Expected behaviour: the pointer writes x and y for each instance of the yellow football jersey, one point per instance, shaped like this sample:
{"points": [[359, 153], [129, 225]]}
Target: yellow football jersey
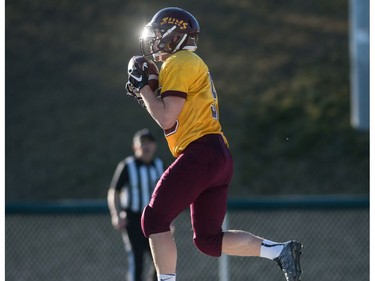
{"points": [[184, 74]]}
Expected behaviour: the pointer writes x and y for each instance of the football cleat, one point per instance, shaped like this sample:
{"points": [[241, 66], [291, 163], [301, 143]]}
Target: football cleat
{"points": [[289, 260]]}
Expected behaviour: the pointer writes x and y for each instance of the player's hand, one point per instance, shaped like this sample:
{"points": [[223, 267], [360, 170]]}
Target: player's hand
{"points": [[137, 74], [137, 78], [134, 93]]}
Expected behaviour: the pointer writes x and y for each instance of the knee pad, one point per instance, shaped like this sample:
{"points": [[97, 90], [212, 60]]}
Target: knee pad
{"points": [[153, 223], [210, 246]]}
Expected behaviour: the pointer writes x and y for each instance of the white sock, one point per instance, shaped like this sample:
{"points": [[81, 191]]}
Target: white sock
{"points": [[270, 249], [166, 277]]}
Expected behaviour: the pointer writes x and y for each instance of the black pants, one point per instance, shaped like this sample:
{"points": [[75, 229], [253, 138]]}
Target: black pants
{"points": [[136, 246]]}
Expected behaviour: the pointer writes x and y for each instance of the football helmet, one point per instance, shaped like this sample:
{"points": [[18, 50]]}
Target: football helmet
{"points": [[170, 30]]}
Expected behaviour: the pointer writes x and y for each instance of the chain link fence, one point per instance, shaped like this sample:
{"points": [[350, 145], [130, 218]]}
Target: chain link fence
{"points": [[75, 241]]}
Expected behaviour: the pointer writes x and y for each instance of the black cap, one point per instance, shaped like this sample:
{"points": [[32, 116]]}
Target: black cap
{"points": [[143, 134]]}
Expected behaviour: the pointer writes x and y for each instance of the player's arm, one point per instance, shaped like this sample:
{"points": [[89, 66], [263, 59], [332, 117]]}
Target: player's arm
{"points": [[164, 111]]}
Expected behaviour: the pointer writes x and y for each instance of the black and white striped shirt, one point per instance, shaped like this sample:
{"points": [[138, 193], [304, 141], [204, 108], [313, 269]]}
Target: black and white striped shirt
{"points": [[136, 181]]}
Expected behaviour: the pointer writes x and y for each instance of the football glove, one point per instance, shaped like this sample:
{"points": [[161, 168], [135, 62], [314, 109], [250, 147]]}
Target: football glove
{"points": [[134, 93], [137, 73]]}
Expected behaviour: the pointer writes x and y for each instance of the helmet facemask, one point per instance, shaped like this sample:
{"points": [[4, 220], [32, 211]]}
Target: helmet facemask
{"points": [[159, 42], [149, 43]]}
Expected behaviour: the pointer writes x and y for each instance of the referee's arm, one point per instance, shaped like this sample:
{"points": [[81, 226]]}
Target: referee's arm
{"points": [[118, 215]]}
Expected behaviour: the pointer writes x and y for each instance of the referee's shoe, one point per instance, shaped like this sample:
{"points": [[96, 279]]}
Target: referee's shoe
{"points": [[289, 260]]}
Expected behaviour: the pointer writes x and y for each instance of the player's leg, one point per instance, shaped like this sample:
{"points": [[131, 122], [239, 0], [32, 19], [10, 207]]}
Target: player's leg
{"points": [[208, 212], [179, 186], [241, 243], [151, 274], [172, 195], [164, 253], [209, 208], [156, 220], [210, 239], [207, 215]]}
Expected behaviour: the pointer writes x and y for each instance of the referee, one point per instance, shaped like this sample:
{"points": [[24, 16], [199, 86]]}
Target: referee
{"points": [[131, 188]]}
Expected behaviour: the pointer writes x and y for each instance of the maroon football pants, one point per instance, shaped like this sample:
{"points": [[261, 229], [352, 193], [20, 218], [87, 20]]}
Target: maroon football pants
{"points": [[198, 178]]}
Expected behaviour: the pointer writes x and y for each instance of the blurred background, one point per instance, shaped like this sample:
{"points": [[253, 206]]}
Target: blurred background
{"points": [[283, 72]]}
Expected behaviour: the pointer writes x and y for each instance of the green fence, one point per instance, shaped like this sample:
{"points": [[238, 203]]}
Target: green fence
{"points": [[74, 240]]}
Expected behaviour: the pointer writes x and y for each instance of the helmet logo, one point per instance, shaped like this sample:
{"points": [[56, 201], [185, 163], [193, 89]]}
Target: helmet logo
{"points": [[180, 23]]}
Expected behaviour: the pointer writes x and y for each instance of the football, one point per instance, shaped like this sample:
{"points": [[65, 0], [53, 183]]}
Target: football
{"points": [[153, 70]]}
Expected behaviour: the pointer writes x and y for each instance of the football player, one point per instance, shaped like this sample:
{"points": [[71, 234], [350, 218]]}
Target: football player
{"points": [[188, 112]]}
